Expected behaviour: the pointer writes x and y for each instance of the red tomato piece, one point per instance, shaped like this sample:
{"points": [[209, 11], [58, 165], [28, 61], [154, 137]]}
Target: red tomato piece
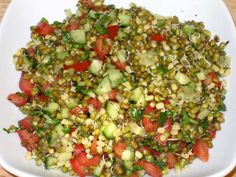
{"points": [[86, 162], [201, 150], [80, 66], [31, 52], [166, 101], [212, 134], [152, 151], [26, 123], [94, 161], [93, 148], [168, 125], [118, 149], [112, 94], [157, 139], [157, 37], [171, 159], [17, 99], [28, 140], [101, 48], [78, 168], [78, 149], [181, 145], [95, 103], [135, 174], [71, 27], [210, 78], [78, 110], [44, 29], [112, 31], [25, 85], [119, 65], [42, 98], [149, 168], [46, 85], [149, 109], [72, 130], [149, 126]]}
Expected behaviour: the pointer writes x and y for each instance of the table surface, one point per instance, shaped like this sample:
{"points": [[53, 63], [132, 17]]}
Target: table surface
{"points": [[231, 4]]}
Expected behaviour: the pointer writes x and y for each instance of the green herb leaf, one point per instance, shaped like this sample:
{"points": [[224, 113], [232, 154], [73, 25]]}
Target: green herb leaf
{"points": [[160, 164], [204, 124], [162, 119], [80, 89], [136, 168], [136, 113], [100, 28], [186, 119], [66, 37], [222, 107], [66, 130], [162, 70], [85, 56]]}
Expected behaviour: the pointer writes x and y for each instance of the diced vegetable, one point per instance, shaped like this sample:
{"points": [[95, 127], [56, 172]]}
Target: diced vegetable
{"points": [[95, 66], [78, 36], [109, 130], [124, 19], [113, 109], [104, 86], [183, 79]]}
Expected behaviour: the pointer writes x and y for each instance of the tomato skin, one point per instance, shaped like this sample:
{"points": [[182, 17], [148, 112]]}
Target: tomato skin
{"points": [[28, 140], [78, 149], [157, 139], [166, 101], [149, 126], [26, 86], [112, 94], [112, 31], [149, 109], [95, 102], [17, 99], [152, 151], [118, 149], [119, 65], [157, 37], [93, 148], [181, 146], [101, 48], [78, 110], [78, 169], [31, 52], [26, 123], [80, 66], [171, 159], [168, 125], [71, 27], [201, 150], [149, 168], [42, 98], [212, 134], [44, 29], [211, 77]]}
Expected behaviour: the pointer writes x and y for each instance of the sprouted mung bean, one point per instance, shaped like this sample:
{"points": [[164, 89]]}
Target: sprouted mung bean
{"points": [[119, 92]]}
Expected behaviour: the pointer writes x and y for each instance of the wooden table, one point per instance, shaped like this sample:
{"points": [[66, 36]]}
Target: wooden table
{"points": [[231, 4]]}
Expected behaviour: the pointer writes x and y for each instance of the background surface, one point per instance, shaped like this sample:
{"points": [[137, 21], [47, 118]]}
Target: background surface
{"points": [[231, 4]]}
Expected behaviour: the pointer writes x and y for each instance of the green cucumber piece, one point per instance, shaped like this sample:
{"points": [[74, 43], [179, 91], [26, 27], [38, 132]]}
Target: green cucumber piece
{"points": [[56, 134], [98, 170], [104, 86], [78, 36], [128, 164], [95, 66], [108, 130], [52, 107], [124, 19], [182, 78], [50, 162], [121, 56], [136, 129], [71, 102], [128, 154], [138, 96], [116, 77], [112, 109]]}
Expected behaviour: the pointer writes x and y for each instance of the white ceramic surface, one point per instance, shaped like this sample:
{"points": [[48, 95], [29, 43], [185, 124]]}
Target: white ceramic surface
{"points": [[15, 32]]}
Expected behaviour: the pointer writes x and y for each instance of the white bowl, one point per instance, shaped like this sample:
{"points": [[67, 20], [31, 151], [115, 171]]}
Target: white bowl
{"points": [[15, 32]]}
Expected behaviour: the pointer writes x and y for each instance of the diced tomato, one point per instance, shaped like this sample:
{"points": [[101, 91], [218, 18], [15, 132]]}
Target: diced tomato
{"points": [[157, 37], [218, 84], [25, 85], [166, 101], [181, 145], [89, 4], [78, 168], [201, 150], [149, 109], [95, 103], [72, 130], [212, 134], [149, 126], [93, 148], [118, 149], [157, 139], [71, 27], [135, 174], [44, 29], [28, 140], [31, 52], [168, 125], [42, 97], [210, 78], [78, 149], [79, 110], [26, 123], [112, 31], [86, 162], [94, 161], [119, 65], [152, 151], [149, 168], [101, 48], [46, 85], [171, 159], [80, 66], [17, 99], [112, 94]]}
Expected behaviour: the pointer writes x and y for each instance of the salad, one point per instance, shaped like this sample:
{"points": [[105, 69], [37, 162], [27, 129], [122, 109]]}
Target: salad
{"points": [[119, 92]]}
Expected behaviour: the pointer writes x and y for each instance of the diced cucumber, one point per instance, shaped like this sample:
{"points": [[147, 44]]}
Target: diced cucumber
{"points": [[121, 56], [71, 102], [188, 29], [27, 63], [138, 96], [116, 77], [52, 107], [56, 134], [50, 162], [78, 36], [136, 129], [64, 113], [128, 154], [64, 156], [124, 19], [93, 14], [109, 66], [95, 66], [113, 109], [98, 170], [149, 58], [121, 35], [201, 76], [104, 86], [182, 78], [113, 15], [128, 164], [108, 130]]}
